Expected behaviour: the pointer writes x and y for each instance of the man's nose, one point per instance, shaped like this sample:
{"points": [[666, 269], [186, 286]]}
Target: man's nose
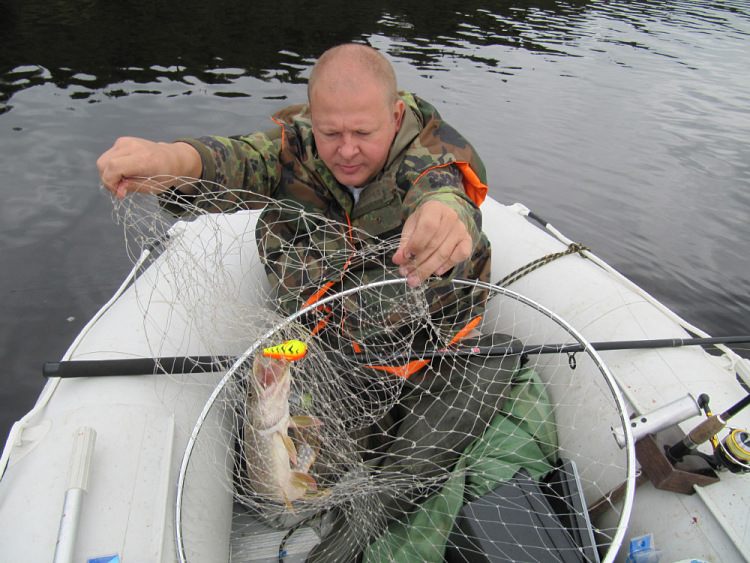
{"points": [[349, 147]]}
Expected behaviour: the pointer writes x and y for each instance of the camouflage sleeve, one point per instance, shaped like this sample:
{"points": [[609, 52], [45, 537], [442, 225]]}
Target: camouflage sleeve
{"points": [[234, 168], [445, 184]]}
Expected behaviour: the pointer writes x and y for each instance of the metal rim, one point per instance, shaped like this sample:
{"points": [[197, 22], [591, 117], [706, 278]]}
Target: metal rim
{"points": [[628, 497]]}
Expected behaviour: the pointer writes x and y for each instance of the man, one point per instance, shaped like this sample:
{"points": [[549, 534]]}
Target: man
{"points": [[385, 163]]}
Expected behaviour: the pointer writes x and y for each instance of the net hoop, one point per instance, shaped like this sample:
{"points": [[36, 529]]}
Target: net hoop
{"points": [[629, 483]]}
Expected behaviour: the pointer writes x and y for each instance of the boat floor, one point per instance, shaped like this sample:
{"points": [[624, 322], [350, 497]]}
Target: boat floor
{"points": [[253, 541]]}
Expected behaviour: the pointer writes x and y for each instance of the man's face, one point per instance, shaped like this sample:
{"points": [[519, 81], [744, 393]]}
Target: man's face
{"points": [[354, 129]]}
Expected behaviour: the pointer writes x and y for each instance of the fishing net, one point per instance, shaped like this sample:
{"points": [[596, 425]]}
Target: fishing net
{"points": [[422, 424]]}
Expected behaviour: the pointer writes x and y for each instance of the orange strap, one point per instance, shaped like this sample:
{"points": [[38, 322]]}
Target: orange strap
{"points": [[404, 371], [473, 186], [283, 130], [414, 366], [464, 332], [322, 323], [315, 297]]}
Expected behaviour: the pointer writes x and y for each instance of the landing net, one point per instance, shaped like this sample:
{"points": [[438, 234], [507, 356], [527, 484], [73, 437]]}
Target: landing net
{"points": [[387, 442]]}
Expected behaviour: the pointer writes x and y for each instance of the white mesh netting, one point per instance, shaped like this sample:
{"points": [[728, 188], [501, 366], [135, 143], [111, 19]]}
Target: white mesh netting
{"points": [[418, 426]]}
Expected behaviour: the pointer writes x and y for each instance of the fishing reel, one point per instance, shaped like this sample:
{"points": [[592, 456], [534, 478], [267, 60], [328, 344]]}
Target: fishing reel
{"points": [[731, 453]]}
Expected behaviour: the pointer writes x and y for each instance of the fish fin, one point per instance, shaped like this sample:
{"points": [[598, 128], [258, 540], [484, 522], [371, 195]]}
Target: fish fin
{"points": [[290, 449], [317, 494], [304, 480], [306, 456], [288, 503], [304, 421]]}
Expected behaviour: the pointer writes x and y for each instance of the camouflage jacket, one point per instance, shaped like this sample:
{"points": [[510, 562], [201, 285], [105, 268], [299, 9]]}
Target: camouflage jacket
{"points": [[428, 160]]}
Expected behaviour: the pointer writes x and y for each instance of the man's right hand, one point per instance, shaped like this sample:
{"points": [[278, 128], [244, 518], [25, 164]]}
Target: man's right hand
{"points": [[133, 165]]}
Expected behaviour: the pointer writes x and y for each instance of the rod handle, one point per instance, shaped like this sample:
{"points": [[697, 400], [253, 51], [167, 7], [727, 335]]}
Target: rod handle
{"points": [[698, 435]]}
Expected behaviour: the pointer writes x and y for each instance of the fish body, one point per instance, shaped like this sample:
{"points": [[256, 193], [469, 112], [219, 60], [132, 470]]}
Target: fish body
{"points": [[275, 470]]}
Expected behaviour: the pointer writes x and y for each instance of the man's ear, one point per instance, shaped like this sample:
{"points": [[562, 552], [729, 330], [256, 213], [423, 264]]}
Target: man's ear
{"points": [[398, 112]]}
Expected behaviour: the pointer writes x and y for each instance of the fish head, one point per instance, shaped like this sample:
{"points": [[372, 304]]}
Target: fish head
{"points": [[270, 373], [268, 398]]}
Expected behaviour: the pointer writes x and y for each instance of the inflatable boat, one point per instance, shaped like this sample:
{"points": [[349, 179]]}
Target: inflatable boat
{"points": [[95, 470]]}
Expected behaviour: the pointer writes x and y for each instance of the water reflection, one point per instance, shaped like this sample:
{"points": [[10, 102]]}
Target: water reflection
{"points": [[94, 46]]}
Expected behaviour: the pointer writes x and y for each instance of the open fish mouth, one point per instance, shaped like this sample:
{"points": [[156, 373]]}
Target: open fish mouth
{"points": [[268, 371]]}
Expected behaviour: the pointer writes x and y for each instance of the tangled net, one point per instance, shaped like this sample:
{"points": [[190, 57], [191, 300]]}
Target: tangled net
{"points": [[421, 423]]}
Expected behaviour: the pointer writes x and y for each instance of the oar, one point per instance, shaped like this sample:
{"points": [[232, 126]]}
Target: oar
{"points": [[199, 364]]}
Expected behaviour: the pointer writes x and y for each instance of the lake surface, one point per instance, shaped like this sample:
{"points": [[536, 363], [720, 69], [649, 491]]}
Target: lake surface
{"points": [[625, 124]]}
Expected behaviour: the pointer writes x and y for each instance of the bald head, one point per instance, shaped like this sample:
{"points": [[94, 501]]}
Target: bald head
{"points": [[355, 112], [345, 67]]}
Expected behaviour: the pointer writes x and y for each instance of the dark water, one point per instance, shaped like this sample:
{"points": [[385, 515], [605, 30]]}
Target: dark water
{"points": [[626, 124]]}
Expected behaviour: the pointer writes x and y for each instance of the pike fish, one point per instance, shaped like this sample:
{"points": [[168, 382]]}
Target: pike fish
{"points": [[276, 468]]}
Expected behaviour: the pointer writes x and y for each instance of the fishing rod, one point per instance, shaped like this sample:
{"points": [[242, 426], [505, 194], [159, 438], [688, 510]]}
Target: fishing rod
{"points": [[203, 364]]}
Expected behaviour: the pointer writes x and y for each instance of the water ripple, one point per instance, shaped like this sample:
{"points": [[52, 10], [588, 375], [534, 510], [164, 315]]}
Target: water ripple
{"points": [[625, 123]]}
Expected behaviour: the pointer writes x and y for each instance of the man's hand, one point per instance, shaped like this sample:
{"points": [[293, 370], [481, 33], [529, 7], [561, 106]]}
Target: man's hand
{"points": [[434, 239], [130, 159]]}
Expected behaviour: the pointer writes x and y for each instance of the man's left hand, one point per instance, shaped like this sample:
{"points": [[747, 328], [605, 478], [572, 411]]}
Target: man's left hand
{"points": [[434, 239]]}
